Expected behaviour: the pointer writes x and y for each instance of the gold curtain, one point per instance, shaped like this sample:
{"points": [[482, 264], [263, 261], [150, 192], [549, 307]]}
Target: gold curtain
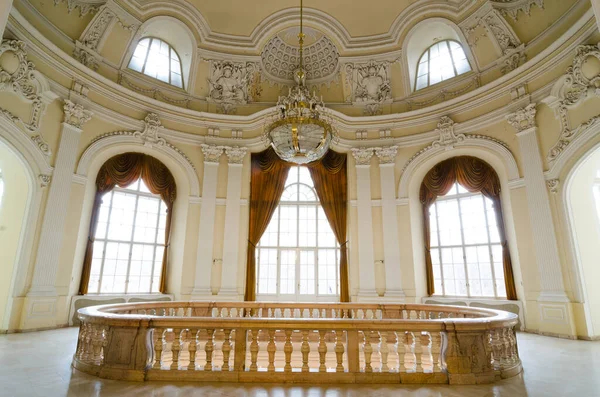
{"points": [[122, 170], [267, 182], [476, 176], [331, 183]]}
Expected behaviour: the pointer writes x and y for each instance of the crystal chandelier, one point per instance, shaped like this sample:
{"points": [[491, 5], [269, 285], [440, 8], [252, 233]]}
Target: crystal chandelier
{"points": [[299, 132]]}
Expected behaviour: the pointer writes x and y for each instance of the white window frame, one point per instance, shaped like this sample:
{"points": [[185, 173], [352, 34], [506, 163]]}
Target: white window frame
{"points": [[130, 241], [297, 296], [464, 246], [171, 51], [427, 51]]}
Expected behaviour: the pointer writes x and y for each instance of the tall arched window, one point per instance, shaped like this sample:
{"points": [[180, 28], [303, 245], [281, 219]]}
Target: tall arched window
{"points": [[441, 61], [466, 250], [129, 241], [298, 255], [155, 58]]}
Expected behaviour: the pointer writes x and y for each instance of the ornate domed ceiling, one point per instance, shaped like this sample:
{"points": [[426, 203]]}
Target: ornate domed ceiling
{"points": [[279, 57]]}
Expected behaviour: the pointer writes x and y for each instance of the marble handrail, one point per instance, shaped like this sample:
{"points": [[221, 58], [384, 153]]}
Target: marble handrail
{"points": [[291, 342]]}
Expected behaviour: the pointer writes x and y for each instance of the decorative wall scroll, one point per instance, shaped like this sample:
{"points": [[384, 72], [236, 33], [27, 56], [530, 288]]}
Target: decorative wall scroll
{"points": [[571, 90], [511, 8], [229, 84], [448, 138], [97, 27], [369, 83], [85, 6], [24, 81], [523, 119], [150, 136], [495, 26]]}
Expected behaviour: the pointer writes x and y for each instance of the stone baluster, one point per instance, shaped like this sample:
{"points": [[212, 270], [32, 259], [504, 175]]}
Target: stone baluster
{"points": [[288, 349], [418, 351], [226, 348], [339, 351], [322, 350], [305, 350], [175, 348], [271, 349], [97, 345], [496, 349], [436, 347], [409, 352], [192, 347], [368, 351], [384, 352], [254, 350], [209, 347], [158, 335], [426, 357]]}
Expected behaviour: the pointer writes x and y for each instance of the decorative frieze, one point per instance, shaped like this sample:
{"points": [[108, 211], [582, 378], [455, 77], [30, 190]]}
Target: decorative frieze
{"points": [[85, 57], [235, 154], [212, 153], [386, 155], [495, 26], [362, 156], [384, 134], [513, 61], [96, 29], [229, 84], [511, 8], [75, 114], [571, 90], [369, 83], [523, 119], [361, 134], [85, 6]]}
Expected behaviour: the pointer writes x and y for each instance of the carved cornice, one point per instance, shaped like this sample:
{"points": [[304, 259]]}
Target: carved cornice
{"points": [[511, 8], [523, 119], [363, 155], [572, 89], [235, 154], [75, 114], [212, 153], [85, 6], [386, 155]]}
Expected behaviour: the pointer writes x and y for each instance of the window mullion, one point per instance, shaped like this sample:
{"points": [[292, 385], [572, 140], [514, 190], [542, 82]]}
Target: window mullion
{"points": [[487, 227], [451, 58], [437, 220], [462, 236], [146, 56], [105, 242], [160, 204], [137, 198]]}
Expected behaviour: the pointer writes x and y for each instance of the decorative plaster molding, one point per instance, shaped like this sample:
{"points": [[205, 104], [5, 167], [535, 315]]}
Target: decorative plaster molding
{"points": [[571, 90], [42, 145], [75, 114], [513, 61], [279, 60], [23, 81], [448, 138], [212, 153], [230, 82], [93, 33], [85, 57], [235, 154], [496, 27], [44, 180], [362, 155], [445, 94], [386, 155], [125, 78], [369, 83], [85, 6], [553, 185], [523, 119], [511, 8]]}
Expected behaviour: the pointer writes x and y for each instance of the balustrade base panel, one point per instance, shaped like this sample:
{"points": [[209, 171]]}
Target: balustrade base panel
{"points": [[112, 373]]}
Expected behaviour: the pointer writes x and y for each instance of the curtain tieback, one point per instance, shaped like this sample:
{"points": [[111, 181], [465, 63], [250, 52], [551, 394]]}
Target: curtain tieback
{"points": [[344, 243], [252, 244]]}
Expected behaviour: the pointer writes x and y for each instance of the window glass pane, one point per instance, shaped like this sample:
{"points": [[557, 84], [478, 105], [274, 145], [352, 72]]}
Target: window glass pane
{"points": [[288, 223], [157, 59], [287, 280], [267, 283], [307, 272], [473, 220], [441, 61], [307, 226]]}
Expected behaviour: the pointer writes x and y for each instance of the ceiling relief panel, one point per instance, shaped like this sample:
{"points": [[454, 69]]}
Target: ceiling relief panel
{"points": [[280, 57]]}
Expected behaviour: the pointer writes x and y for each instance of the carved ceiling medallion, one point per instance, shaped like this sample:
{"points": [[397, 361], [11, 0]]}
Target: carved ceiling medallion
{"points": [[279, 58]]}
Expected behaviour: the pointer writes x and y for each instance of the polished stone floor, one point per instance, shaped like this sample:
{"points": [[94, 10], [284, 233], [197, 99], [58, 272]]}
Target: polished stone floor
{"points": [[38, 364]]}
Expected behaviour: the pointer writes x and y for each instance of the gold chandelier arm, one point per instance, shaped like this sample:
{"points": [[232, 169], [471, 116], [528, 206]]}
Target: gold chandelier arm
{"points": [[301, 43]]}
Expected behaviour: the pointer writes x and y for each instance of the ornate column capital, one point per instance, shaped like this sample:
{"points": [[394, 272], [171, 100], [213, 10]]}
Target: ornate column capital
{"points": [[212, 153], [362, 155], [523, 119], [235, 154], [75, 114], [386, 155]]}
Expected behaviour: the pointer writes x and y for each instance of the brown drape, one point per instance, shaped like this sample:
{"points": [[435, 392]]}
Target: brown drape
{"points": [[476, 176], [267, 182], [331, 183], [123, 170]]}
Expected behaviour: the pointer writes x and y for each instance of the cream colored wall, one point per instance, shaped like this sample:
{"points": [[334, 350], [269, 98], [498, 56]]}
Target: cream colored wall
{"points": [[12, 218]]}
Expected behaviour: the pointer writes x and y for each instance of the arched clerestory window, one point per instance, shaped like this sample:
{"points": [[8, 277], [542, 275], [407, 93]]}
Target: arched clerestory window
{"points": [[298, 255], [442, 61], [157, 59]]}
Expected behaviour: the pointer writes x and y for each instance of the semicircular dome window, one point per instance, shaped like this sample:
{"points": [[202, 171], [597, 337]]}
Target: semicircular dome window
{"points": [[280, 57], [157, 59], [442, 61]]}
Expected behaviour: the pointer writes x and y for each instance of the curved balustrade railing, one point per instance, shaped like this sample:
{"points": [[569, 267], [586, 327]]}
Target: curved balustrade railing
{"points": [[315, 343]]}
